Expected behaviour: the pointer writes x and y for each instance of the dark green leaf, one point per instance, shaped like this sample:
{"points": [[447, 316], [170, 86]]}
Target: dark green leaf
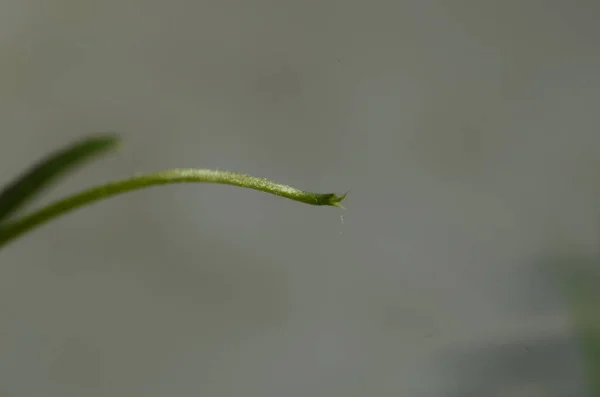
{"points": [[43, 174]]}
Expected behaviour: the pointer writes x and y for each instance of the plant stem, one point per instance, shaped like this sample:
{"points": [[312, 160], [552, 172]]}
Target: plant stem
{"points": [[11, 230]]}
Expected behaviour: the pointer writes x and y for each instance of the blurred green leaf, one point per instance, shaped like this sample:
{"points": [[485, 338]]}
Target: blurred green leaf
{"points": [[47, 171], [577, 278]]}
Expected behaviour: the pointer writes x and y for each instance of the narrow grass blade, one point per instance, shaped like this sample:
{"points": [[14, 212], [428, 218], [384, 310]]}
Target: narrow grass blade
{"points": [[47, 171], [16, 228]]}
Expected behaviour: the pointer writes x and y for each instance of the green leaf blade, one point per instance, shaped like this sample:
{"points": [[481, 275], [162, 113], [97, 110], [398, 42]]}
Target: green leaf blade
{"points": [[43, 174], [12, 230]]}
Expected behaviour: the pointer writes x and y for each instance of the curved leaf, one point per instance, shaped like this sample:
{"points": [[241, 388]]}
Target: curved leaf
{"points": [[14, 229], [47, 171]]}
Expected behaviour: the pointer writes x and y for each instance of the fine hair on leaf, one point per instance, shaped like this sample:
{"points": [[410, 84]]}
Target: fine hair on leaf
{"points": [[45, 172]]}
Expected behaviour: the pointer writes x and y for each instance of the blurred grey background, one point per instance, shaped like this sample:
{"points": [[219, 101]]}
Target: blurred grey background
{"points": [[466, 132]]}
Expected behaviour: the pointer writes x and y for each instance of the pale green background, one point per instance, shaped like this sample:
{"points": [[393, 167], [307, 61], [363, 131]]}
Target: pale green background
{"points": [[466, 132]]}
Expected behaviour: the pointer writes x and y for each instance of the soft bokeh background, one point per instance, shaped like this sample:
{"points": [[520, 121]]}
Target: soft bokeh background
{"points": [[466, 132]]}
